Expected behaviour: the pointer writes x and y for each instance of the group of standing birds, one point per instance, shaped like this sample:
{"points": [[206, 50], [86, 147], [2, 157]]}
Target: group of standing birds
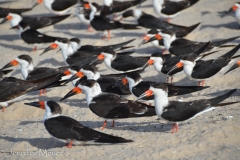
{"points": [[105, 92]]}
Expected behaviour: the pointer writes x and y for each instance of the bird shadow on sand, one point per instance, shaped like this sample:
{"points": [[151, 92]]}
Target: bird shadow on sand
{"points": [[82, 36], [52, 61], [45, 143], [153, 126], [15, 47], [73, 26], [134, 34], [40, 143], [9, 37], [148, 49], [231, 25]]}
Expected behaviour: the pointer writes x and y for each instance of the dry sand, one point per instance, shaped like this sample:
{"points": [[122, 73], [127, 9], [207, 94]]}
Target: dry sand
{"points": [[210, 136]]}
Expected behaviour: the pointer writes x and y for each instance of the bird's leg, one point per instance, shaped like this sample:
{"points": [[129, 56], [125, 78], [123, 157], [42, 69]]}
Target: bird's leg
{"points": [[201, 83], [70, 144], [113, 123], [165, 51], [104, 125], [3, 109], [167, 79], [171, 79], [34, 49], [108, 34], [175, 125], [42, 92], [90, 29]]}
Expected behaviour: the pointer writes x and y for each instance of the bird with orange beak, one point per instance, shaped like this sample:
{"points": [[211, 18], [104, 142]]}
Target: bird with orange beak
{"points": [[177, 112], [29, 72], [69, 130], [202, 70], [109, 105]]}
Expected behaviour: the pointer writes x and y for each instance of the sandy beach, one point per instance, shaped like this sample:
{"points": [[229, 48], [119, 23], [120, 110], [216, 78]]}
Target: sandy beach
{"points": [[213, 135]]}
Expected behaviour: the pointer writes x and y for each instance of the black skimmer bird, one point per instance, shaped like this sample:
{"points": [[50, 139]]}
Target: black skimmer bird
{"points": [[102, 23], [29, 72], [236, 65], [122, 63], [108, 105], [202, 70], [13, 89], [70, 56], [74, 53], [170, 8], [84, 16], [138, 86], [163, 63], [176, 111], [108, 83], [151, 22], [182, 46], [33, 37], [33, 22], [156, 43], [5, 11], [58, 7], [69, 130]]}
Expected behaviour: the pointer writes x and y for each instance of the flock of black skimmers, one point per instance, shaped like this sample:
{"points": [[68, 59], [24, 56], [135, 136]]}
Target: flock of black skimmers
{"points": [[105, 93]]}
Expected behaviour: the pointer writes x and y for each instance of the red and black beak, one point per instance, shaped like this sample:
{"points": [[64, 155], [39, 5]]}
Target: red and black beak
{"points": [[37, 3], [145, 40], [6, 19], [76, 76], [51, 47], [148, 93], [40, 104], [149, 62], [156, 37], [236, 65], [73, 92], [178, 65], [233, 8], [10, 64]]}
